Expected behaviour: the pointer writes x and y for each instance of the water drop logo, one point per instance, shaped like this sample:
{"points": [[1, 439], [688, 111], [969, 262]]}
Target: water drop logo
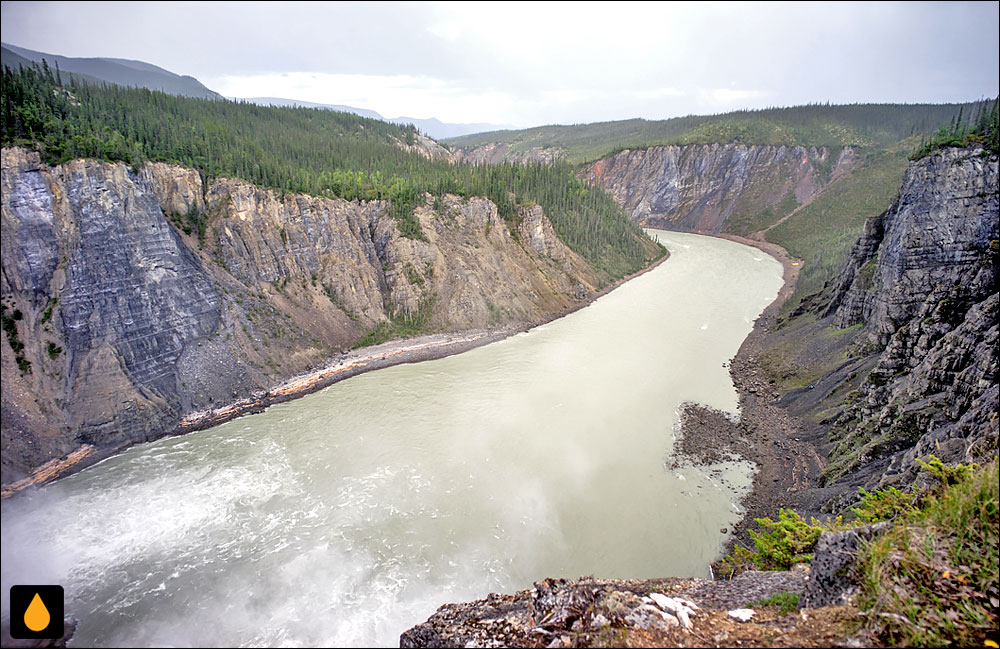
{"points": [[36, 612], [37, 617]]}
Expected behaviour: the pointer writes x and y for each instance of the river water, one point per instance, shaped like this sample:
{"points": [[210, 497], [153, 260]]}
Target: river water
{"points": [[347, 516]]}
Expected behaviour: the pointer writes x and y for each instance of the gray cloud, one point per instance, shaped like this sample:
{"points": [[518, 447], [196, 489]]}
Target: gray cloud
{"points": [[534, 63]]}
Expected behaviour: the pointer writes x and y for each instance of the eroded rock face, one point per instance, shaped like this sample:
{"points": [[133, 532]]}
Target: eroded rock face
{"points": [[110, 298], [711, 187], [131, 316], [264, 238], [922, 280], [494, 153], [931, 246], [178, 190], [428, 148]]}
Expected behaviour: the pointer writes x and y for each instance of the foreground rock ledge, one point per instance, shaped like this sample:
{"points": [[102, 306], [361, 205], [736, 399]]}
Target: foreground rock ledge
{"points": [[596, 612]]}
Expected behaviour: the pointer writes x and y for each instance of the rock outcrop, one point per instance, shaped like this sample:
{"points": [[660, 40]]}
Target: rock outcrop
{"points": [[922, 283], [428, 148], [591, 612], [133, 299], [707, 188], [493, 153]]}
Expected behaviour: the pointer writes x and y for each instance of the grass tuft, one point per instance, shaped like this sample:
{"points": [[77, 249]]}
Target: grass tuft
{"points": [[933, 579]]}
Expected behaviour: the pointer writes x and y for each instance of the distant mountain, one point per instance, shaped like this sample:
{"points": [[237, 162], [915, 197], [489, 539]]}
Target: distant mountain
{"points": [[126, 72], [440, 130], [433, 127], [123, 72]]}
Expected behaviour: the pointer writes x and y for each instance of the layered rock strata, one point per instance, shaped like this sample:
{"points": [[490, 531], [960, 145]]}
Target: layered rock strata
{"points": [[710, 187], [133, 299], [922, 283]]}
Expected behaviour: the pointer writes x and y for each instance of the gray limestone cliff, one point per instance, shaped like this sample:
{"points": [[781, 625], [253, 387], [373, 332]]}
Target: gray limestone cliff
{"points": [[707, 188], [494, 153], [922, 284], [132, 299]]}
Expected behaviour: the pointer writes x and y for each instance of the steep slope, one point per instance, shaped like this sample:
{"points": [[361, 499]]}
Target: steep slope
{"points": [[132, 299], [124, 72], [804, 177], [922, 282], [896, 358], [315, 152], [705, 188]]}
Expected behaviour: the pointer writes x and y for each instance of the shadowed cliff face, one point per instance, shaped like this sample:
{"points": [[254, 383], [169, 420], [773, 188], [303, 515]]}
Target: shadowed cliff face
{"points": [[141, 297], [711, 187], [922, 280], [100, 276]]}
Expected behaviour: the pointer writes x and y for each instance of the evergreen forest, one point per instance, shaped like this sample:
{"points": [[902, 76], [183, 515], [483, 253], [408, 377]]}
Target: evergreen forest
{"points": [[868, 126], [302, 150]]}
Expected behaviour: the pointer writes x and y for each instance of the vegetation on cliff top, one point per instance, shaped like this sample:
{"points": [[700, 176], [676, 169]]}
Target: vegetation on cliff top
{"points": [[932, 578], [860, 125], [310, 151], [822, 232], [981, 124]]}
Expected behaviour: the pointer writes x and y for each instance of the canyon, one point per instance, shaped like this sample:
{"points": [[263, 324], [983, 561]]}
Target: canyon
{"points": [[145, 297], [894, 360]]}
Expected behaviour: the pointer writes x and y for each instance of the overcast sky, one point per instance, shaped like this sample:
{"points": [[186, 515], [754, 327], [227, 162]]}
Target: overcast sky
{"points": [[533, 63]]}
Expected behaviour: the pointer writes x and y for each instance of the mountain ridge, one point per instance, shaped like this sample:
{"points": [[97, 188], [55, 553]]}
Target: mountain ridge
{"points": [[431, 126], [124, 72]]}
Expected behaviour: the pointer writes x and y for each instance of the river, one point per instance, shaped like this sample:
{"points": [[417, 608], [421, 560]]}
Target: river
{"points": [[347, 516]]}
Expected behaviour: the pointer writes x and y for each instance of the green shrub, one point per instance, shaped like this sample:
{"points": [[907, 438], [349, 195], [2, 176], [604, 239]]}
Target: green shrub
{"points": [[53, 349], [787, 541], [883, 505]]}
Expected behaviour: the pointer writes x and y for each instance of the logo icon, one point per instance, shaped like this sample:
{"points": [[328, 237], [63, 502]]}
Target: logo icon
{"points": [[36, 612]]}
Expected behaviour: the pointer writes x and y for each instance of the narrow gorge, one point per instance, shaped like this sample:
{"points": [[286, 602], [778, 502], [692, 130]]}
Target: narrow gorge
{"points": [[143, 299]]}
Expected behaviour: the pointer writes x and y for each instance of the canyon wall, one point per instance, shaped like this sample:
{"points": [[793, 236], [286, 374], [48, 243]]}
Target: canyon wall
{"points": [[922, 284], [708, 188], [131, 299]]}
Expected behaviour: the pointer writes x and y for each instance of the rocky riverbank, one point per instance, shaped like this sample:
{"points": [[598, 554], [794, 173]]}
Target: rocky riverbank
{"points": [[788, 463]]}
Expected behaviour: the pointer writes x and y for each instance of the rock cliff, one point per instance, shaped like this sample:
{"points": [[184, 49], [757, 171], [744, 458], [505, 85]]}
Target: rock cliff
{"points": [[922, 283], [132, 299], [707, 188], [494, 153], [917, 305]]}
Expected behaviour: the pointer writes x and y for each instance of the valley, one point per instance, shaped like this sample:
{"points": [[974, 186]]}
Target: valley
{"points": [[619, 349]]}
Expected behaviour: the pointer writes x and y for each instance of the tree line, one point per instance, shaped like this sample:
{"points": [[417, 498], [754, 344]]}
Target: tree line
{"points": [[981, 124], [302, 150]]}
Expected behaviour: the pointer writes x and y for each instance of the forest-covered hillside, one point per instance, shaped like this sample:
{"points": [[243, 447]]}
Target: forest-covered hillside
{"points": [[860, 125], [317, 152], [124, 72]]}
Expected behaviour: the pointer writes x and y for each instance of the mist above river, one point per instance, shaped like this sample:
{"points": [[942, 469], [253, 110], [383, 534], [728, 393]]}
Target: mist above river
{"points": [[349, 515]]}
